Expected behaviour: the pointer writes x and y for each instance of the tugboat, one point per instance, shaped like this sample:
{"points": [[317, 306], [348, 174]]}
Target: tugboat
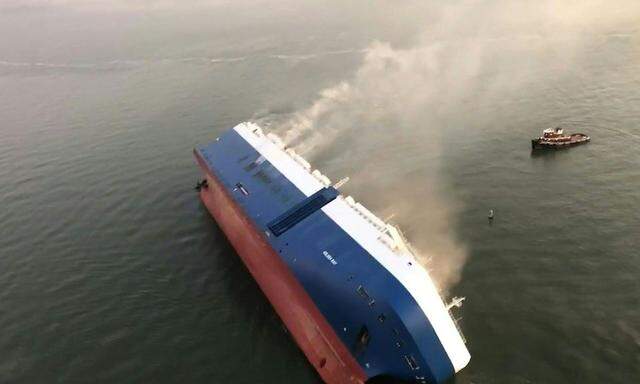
{"points": [[554, 138]]}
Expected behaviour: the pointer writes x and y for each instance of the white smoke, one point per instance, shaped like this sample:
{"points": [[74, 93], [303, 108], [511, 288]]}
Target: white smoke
{"points": [[390, 118]]}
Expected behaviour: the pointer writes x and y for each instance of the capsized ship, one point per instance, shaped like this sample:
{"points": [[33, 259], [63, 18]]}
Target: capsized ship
{"points": [[344, 282]]}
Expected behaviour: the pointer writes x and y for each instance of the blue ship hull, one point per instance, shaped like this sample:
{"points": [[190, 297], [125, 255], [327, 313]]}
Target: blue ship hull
{"points": [[336, 261]]}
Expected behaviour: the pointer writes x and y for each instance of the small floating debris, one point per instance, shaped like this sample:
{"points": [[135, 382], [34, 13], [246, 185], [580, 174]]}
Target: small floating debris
{"points": [[554, 138]]}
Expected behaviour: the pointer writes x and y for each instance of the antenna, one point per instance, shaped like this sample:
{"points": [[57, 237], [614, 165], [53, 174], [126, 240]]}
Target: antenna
{"points": [[340, 183], [455, 302]]}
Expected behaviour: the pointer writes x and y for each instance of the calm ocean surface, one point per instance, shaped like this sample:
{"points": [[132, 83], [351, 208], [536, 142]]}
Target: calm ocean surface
{"points": [[111, 270]]}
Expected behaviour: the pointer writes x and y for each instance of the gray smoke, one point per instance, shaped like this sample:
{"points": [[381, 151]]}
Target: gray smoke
{"points": [[385, 126]]}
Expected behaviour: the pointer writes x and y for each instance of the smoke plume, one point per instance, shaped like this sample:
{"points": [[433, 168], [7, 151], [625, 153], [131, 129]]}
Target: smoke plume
{"points": [[387, 125]]}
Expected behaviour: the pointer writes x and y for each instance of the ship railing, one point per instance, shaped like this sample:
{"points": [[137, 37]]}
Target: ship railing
{"points": [[298, 159], [374, 220], [399, 241], [321, 178], [390, 235]]}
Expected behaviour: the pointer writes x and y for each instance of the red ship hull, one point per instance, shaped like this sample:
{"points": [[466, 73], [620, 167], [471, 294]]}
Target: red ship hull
{"points": [[311, 331]]}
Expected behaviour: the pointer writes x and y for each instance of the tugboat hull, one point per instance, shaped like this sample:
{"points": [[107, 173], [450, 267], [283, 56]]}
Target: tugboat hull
{"points": [[575, 139]]}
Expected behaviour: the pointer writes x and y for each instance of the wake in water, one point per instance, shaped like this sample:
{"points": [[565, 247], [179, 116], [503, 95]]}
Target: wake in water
{"points": [[103, 66], [127, 64]]}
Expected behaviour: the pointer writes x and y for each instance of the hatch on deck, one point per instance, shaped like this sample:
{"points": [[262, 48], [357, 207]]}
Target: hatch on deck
{"points": [[300, 211]]}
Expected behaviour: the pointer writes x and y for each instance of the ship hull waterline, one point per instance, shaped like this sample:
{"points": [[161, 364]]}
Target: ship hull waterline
{"points": [[311, 331], [577, 139]]}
